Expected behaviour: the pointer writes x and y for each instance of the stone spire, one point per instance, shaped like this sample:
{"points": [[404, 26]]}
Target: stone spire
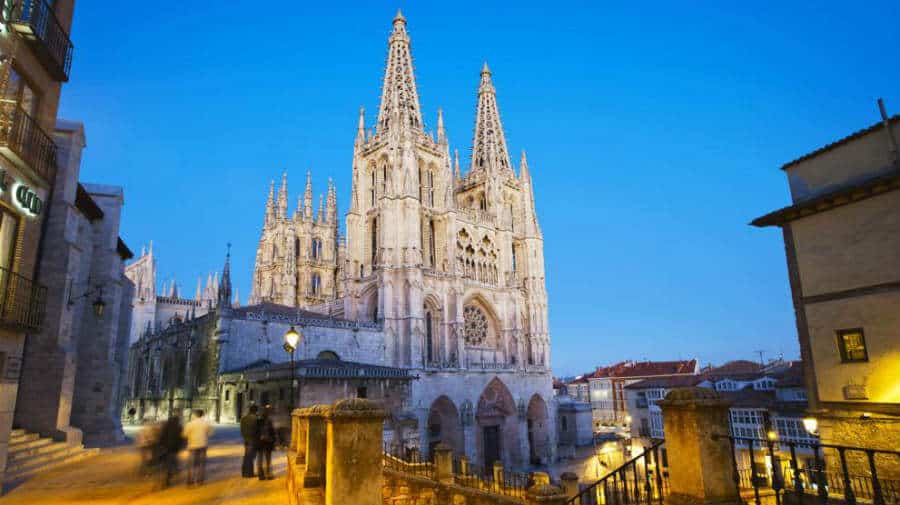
{"points": [[308, 197], [224, 293], [361, 128], [283, 196], [270, 203], [236, 301], [398, 90], [531, 223], [320, 215], [198, 295], [456, 170], [489, 146], [331, 203], [441, 133]]}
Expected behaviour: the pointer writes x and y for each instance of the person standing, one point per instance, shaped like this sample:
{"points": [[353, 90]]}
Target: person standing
{"points": [[266, 445], [250, 434], [197, 433], [170, 443]]}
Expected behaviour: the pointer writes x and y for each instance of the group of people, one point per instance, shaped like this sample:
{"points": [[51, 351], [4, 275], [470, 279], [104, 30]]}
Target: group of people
{"points": [[161, 443], [260, 437]]}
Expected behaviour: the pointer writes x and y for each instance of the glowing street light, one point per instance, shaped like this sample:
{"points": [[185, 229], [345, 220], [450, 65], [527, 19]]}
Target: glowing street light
{"points": [[811, 425], [292, 340]]}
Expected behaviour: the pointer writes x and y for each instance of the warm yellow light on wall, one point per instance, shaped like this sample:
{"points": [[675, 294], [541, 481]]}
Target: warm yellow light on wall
{"points": [[811, 424]]}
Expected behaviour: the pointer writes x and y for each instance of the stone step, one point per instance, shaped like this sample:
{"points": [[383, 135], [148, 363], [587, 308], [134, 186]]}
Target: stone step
{"points": [[22, 439], [22, 473], [32, 444], [40, 460], [48, 446], [18, 432]]}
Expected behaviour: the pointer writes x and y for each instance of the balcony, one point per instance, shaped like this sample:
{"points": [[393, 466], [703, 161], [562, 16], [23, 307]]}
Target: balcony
{"points": [[36, 21], [25, 143], [22, 302]]}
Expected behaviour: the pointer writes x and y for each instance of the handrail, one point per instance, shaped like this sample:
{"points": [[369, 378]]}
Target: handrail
{"points": [[619, 487], [22, 134], [22, 301], [788, 476]]}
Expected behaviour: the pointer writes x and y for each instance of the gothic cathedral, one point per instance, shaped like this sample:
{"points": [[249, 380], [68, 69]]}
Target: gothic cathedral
{"points": [[449, 264]]}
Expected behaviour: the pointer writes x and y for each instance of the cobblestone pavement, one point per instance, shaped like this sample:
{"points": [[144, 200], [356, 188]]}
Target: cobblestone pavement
{"points": [[111, 478]]}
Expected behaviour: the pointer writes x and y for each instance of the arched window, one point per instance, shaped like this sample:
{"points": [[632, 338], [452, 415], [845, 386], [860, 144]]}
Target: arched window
{"points": [[372, 190], [514, 258], [274, 252], [431, 253], [296, 247], [431, 188], [328, 355], [429, 339], [483, 203], [316, 284], [384, 180], [316, 249], [374, 239]]}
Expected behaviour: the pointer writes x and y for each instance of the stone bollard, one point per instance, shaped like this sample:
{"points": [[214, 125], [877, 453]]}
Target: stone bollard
{"points": [[569, 484], [544, 493], [464, 465], [498, 475], [353, 472], [700, 460], [443, 463], [313, 418]]}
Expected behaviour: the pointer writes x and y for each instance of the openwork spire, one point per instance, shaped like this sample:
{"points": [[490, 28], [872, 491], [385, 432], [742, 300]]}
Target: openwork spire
{"points": [[399, 88], [224, 292], [489, 147]]}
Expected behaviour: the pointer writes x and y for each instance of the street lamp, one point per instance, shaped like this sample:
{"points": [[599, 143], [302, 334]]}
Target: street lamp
{"points": [[292, 339], [811, 424], [98, 304]]}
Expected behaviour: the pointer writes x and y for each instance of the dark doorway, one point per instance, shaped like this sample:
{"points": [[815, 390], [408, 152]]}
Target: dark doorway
{"points": [[264, 398], [238, 406], [491, 446]]}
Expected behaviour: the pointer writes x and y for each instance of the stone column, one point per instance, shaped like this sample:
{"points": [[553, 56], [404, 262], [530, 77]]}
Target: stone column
{"points": [[544, 493], [315, 438], [353, 463], [443, 463], [569, 483], [700, 460]]}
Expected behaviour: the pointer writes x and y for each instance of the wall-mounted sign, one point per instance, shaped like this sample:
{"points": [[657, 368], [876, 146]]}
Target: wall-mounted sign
{"points": [[28, 200], [4, 182]]}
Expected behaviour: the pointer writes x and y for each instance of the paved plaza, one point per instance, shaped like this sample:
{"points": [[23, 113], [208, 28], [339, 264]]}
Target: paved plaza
{"points": [[111, 478]]}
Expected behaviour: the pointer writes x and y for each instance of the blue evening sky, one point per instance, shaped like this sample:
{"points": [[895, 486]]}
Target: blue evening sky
{"points": [[654, 132]]}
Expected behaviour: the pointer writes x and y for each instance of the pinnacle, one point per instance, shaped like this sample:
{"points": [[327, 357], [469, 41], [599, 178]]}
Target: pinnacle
{"points": [[399, 17], [485, 70]]}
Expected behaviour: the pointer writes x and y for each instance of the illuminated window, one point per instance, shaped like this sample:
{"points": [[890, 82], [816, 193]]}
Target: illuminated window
{"points": [[852, 345], [18, 90], [9, 226]]}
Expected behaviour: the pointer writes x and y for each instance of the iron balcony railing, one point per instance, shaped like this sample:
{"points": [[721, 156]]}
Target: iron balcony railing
{"points": [[643, 479], [36, 21], [836, 473], [23, 138], [22, 301]]}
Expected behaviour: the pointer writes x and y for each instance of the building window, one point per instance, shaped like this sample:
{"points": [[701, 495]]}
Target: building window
{"points": [[565, 424], [316, 248], [852, 345], [9, 227], [227, 395], [362, 392], [429, 344], [19, 91], [316, 284]]}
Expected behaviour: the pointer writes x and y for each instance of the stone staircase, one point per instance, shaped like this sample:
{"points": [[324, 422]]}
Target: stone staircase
{"points": [[30, 454]]}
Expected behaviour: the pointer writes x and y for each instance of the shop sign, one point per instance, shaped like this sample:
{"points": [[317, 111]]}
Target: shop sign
{"points": [[28, 200]]}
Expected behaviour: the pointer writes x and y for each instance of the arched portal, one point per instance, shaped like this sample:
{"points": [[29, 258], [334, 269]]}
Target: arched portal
{"points": [[538, 430], [496, 437], [444, 426]]}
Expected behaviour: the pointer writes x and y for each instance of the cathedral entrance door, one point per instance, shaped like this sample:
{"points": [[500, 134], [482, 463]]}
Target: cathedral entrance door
{"points": [[491, 446], [238, 406]]}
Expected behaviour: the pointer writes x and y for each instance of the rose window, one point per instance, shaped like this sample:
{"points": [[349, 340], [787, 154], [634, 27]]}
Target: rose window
{"points": [[476, 325]]}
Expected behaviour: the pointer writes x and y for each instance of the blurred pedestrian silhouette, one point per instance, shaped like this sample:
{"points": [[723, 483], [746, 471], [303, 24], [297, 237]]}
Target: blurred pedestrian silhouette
{"points": [[170, 443], [197, 433], [250, 434], [266, 434], [147, 441]]}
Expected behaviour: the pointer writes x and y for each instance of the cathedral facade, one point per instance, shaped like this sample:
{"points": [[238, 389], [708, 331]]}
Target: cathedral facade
{"points": [[441, 276]]}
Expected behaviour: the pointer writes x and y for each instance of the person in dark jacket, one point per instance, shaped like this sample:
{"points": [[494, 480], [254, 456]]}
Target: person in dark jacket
{"points": [[266, 445], [170, 443], [250, 434]]}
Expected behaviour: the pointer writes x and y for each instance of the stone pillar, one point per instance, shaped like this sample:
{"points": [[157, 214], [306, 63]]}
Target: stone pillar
{"points": [[464, 465], [353, 463], [498, 474], [700, 460], [569, 483], [544, 493], [443, 463], [314, 454]]}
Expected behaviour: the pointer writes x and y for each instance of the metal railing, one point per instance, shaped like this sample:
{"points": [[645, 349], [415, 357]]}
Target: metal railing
{"points": [[642, 479], [25, 138], [22, 301], [489, 480], [408, 461], [36, 20], [836, 472]]}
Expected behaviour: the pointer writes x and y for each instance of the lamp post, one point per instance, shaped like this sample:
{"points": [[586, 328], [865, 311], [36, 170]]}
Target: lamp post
{"points": [[292, 339]]}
